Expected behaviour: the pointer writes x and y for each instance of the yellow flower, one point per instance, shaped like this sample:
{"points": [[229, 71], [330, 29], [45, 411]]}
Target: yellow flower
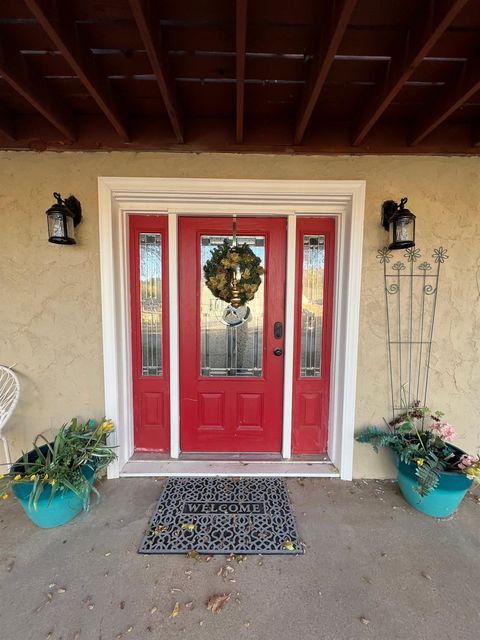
{"points": [[52, 482], [5, 496], [1, 476], [420, 461], [18, 477], [33, 476], [45, 477], [107, 425]]}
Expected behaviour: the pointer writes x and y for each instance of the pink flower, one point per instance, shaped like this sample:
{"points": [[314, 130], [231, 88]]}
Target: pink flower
{"points": [[467, 461], [445, 430]]}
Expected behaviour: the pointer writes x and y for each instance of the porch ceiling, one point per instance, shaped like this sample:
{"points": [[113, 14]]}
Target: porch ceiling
{"points": [[310, 76]]}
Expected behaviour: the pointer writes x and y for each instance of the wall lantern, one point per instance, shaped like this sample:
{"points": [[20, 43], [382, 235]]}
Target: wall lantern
{"points": [[63, 217], [401, 222]]}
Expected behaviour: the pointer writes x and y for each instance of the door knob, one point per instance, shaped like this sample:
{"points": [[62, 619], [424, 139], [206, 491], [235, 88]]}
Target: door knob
{"points": [[277, 352]]}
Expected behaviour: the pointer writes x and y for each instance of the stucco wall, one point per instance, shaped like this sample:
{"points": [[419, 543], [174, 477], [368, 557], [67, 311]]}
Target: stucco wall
{"points": [[50, 317]]}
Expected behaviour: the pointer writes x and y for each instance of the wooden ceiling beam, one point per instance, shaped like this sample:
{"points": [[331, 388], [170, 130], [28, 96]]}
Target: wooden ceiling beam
{"points": [[433, 21], [18, 74], [454, 98], [149, 38], [339, 20], [217, 135], [7, 126], [241, 47], [63, 35]]}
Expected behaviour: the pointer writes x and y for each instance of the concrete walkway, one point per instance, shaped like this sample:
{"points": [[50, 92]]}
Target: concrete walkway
{"points": [[373, 569]]}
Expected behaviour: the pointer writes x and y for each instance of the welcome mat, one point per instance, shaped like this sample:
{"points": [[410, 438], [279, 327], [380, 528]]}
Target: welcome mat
{"points": [[223, 516]]}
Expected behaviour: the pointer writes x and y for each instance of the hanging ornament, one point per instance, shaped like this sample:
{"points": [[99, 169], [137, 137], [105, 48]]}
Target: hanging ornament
{"points": [[233, 317], [233, 272]]}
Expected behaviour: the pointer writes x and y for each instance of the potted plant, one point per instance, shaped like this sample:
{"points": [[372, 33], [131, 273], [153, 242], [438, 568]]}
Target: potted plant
{"points": [[53, 481], [433, 474]]}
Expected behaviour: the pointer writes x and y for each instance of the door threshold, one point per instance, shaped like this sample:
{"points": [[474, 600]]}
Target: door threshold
{"points": [[221, 456], [144, 467]]}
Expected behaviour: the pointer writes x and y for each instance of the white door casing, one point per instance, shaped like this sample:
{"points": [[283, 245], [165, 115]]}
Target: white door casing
{"points": [[342, 199]]}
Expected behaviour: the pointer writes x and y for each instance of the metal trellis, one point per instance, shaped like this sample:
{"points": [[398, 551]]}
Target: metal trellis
{"points": [[411, 289]]}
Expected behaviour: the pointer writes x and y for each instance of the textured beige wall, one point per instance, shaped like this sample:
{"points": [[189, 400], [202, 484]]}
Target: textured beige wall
{"points": [[50, 317]]}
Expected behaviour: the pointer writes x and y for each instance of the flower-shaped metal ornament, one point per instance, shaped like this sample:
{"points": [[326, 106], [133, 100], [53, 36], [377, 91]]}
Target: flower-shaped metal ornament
{"points": [[425, 266], [412, 254], [440, 255], [384, 255]]}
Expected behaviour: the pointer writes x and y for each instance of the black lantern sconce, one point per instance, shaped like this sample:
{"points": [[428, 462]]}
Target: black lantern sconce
{"points": [[62, 219], [401, 222]]}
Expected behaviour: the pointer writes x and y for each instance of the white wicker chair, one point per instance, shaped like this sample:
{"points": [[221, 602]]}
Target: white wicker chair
{"points": [[9, 393]]}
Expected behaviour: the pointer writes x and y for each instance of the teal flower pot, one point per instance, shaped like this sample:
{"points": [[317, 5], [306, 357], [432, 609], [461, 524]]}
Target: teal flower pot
{"points": [[442, 501], [64, 506]]}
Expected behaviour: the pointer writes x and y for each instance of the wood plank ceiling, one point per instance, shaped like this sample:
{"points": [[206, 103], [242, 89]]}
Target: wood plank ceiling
{"points": [[309, 76]]}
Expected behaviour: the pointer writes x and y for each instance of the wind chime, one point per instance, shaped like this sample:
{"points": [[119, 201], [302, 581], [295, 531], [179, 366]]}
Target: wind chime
{"points": [[235, 300], [233, 274]]}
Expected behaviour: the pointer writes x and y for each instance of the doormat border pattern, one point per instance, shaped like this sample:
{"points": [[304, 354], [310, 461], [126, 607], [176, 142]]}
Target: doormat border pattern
{"points": [[223, 515]]}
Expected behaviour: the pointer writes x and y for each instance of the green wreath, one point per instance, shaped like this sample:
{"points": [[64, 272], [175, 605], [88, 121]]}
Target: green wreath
{"points": [[220, 269]]}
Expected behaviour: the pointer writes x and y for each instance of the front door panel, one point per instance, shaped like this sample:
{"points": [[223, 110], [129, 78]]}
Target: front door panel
{"points": [[231, 376]]}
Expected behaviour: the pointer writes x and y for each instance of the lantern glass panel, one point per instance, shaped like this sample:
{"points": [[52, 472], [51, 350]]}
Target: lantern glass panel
{"points": [[55, 225], [70, 229], [404, 228]]}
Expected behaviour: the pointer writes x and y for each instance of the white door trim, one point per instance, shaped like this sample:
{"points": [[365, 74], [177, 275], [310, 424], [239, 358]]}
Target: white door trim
{"points": [[343, 199]]}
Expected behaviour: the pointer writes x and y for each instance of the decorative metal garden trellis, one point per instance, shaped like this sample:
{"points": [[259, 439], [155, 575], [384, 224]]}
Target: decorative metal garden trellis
{"points": [[411, 290]]}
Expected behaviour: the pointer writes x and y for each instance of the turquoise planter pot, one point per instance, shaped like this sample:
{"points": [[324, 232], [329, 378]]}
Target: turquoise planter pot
{"points": [[64, 506], [443, 500]]}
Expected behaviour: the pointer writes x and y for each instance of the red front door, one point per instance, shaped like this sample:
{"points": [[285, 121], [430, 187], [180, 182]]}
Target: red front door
{"points": [[231, 375]]}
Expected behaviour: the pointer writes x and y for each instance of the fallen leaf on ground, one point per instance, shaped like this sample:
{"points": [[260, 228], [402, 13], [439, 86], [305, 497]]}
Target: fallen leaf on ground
{"points": [[189, 526], [189, 605], [61, 590], [160, 528], [301, 482], [217, 602], [175, 610], [288, 545], [364, 620], [246, 623], [238, 558], [426, 576], [195, 555], [224, 571], [153, 609]]}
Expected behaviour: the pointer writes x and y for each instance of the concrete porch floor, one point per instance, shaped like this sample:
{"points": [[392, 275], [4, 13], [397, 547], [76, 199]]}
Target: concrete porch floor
{"points": [[373, 569]]}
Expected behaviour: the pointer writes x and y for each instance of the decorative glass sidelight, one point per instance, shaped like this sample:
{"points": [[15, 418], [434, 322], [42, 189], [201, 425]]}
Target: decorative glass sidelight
{"points": [[230, 346], [312, 305], [151, 303]]}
